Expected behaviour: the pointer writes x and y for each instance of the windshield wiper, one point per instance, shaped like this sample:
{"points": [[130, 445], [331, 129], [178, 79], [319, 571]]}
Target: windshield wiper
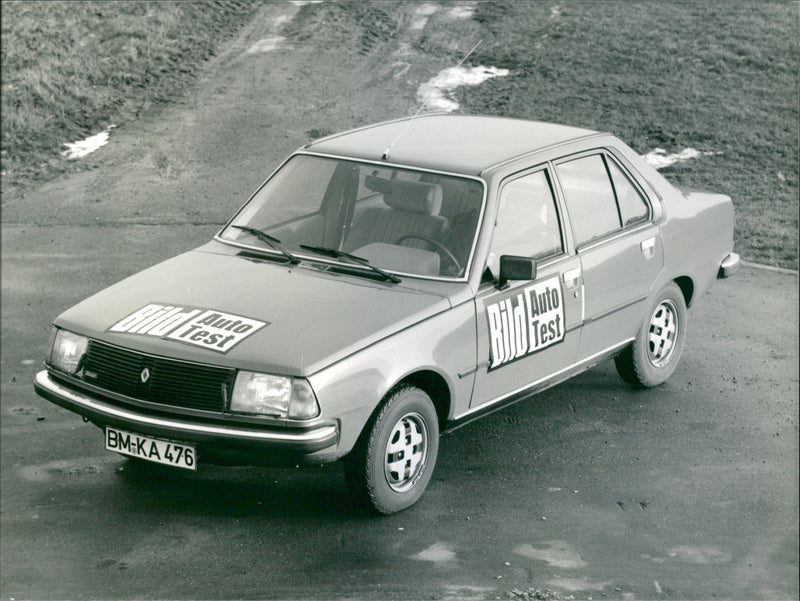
{"points": [[340, 254], [271, 241]]}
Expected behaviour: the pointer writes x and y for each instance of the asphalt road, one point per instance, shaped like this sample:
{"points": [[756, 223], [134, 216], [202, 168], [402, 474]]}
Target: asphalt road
{"points": [[591, 489]]}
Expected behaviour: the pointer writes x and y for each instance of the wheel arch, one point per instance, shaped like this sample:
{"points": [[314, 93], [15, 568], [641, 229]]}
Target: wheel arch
{"points": [[686, 284], [435, 386], [394, 458]]}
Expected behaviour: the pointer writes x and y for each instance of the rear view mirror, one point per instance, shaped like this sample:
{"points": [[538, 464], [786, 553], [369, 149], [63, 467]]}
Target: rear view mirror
{"points": [[515, 268]]}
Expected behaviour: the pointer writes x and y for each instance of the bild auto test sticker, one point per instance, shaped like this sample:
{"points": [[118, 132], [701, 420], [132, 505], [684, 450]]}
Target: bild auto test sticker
{"points": [[206, 328], [525, 322]]}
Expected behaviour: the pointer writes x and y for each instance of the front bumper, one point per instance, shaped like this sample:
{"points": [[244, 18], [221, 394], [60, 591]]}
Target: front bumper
{"points": [[729, 265], [219, 443]]}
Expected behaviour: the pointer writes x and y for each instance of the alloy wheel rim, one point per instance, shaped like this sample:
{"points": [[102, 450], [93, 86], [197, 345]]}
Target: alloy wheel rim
{"points": [[406, 451], [663, 333]]}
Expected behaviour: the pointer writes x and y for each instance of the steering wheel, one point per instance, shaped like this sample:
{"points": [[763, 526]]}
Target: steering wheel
{"points": [[436, 244]]}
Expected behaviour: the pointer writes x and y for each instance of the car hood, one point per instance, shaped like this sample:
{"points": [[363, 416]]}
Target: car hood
{"points": [[257, 314]]}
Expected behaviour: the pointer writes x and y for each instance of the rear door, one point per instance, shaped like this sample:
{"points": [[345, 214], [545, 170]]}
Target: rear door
{"points": [[618, 244]]}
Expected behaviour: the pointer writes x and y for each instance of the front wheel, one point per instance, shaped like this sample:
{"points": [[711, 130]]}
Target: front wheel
{"points": [[653, 355], [392, 463]]}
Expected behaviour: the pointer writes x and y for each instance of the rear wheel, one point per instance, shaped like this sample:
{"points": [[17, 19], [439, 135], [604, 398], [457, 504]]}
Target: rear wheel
{"points": [[656, 350], [392, 463]]}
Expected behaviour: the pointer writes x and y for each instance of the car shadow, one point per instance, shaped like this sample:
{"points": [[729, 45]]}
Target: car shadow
{"points": [[238, 491]]}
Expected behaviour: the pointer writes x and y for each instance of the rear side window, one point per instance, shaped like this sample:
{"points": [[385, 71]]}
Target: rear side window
{"points": [[590, 198], [600, 198], [632, 206]]}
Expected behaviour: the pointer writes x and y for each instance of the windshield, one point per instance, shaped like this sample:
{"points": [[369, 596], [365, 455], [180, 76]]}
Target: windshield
{"points": [[400, 220]]}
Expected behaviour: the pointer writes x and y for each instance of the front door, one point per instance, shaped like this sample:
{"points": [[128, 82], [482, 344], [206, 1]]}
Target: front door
{"points": [[528, 331]]}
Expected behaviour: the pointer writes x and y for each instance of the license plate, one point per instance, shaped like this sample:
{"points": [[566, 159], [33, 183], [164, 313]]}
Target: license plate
{"points": [[151, 449]]}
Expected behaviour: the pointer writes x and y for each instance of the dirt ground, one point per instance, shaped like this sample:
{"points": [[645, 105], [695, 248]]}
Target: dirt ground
{"points": [[199, 161]]}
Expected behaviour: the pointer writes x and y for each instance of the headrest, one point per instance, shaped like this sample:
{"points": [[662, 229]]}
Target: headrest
{"points": [[414, 196]]}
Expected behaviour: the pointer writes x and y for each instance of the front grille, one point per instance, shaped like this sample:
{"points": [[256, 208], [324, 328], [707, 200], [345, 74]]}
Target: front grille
{"points": [[167, 381]]}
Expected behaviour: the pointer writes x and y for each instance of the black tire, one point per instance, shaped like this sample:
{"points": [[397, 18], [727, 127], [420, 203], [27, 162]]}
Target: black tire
{"points": [[392, 463], [654, 354]]}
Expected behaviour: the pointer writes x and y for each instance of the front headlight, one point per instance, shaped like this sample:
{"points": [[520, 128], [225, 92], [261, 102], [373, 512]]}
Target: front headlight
{"points": [[276, 396], [68, 351]]}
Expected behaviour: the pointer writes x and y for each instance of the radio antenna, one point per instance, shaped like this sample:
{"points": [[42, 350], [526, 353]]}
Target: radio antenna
{"points": [[386, 152]]}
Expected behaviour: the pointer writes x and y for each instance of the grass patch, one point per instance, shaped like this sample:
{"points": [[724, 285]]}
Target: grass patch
{"points": [[71, 69], [720, 77]]}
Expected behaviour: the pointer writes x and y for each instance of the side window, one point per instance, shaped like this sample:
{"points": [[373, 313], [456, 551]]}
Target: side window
{"points": [[527, 222], [589, 197], [632, 206]]}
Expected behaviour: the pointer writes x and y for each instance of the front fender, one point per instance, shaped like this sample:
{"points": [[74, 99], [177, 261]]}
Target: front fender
{"points": [[352, 389]]}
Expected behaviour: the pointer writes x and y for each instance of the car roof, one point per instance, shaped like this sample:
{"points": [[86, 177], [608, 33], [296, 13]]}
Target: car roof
{"points": [[468, 144]]}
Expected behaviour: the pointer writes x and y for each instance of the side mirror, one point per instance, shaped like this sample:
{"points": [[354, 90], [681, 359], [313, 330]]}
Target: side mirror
{"points": [[515, 268]]}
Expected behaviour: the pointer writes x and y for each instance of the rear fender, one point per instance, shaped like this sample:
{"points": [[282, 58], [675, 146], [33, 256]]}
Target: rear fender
{"points": [[697, 235]]}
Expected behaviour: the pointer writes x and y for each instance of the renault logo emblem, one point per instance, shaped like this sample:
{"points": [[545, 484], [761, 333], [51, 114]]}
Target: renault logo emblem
{"points": [[145, 375]]}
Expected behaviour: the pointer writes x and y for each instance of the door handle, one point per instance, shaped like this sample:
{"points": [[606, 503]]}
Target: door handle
{"points": [[571, 278], [648, 248]]}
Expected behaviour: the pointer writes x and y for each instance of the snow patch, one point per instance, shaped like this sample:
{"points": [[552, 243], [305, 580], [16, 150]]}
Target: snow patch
{"points": [[437, 553], [466, 591], [266, 45], [658, 158], [434, 92], [81, 148], [706, 555], [421, 16], [577, 584], [558, 554], [462, 12]]}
